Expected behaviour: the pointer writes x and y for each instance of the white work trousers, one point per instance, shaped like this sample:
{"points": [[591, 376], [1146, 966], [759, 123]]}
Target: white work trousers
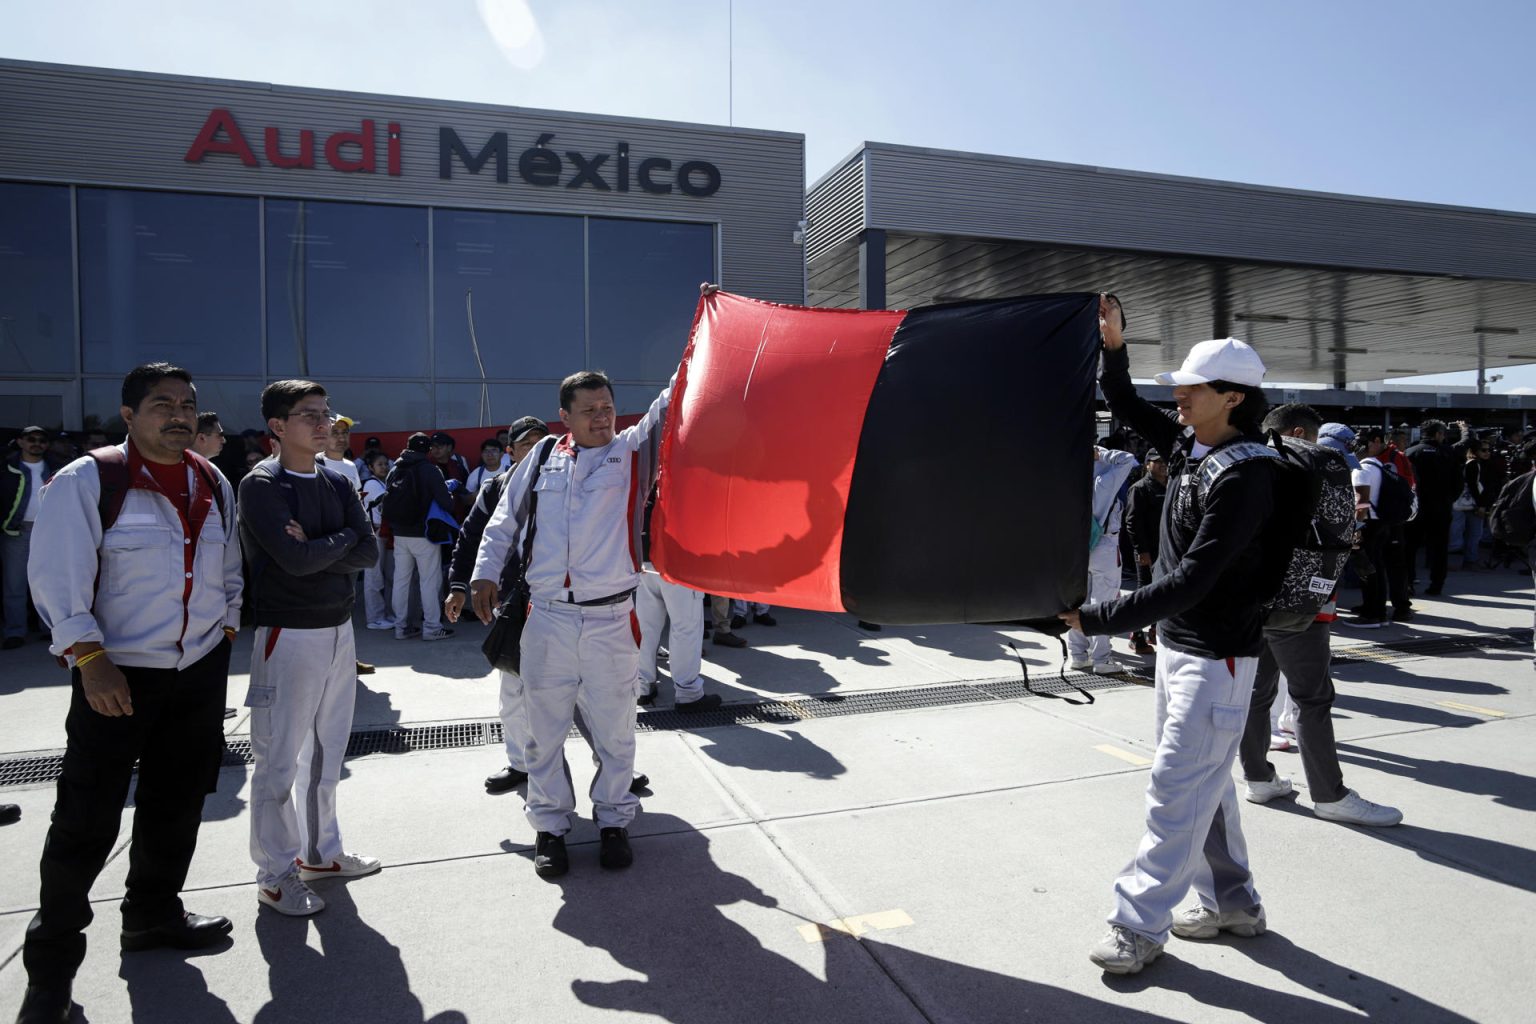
{"points": [[303, 689], [376, 582], [419, 558], [656, 602], [587, 658], [1103, 585], [1193, 837], [514, 721]]}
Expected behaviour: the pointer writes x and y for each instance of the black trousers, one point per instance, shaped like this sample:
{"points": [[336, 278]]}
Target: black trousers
{"points": [[1383, 545], [176, 734], [1434, 536], [1303, 655]]}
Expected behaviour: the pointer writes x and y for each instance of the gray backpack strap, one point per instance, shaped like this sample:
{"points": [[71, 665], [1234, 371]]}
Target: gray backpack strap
{"points": [[1222, 459]]}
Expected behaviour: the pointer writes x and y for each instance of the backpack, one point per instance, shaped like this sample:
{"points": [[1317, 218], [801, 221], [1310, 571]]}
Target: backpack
{"points": [[1395, 501], [112, 469], [1315, 492], [1512, 520], [401, 502], [1287, 521]]}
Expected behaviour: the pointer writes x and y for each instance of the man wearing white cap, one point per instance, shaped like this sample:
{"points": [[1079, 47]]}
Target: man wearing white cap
{"points": [[1210, 631]]}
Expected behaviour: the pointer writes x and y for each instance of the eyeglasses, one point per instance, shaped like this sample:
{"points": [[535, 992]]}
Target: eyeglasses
{"points": [[314, 419]]}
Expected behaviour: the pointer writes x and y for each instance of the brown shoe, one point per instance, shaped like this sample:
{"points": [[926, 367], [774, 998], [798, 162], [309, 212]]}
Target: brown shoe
{"points": [[364, 669]]}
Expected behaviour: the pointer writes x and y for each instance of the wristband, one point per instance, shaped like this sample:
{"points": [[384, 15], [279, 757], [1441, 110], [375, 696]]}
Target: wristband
{"points": [[87, 659]]}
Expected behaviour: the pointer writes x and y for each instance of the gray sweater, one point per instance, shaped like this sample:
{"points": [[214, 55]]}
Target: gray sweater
{"points": [[302, 584]]}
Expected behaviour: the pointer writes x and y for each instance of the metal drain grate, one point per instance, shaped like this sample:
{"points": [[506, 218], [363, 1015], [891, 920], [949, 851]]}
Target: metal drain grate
{"points": [[44, 767]]}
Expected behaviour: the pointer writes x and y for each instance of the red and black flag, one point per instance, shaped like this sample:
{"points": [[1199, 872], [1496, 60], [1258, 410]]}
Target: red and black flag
{"points": [[909, 467]]}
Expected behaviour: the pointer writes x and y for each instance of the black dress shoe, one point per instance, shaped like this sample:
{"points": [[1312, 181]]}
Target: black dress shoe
{"points": [[765, 620], [616, 854], [9, 814], [189, 931], [1434, 591], [737, 621], [647, 698], [869, 627], [45, 1004], [549, 858], [11, 643], [708, 702], [507, 778], [639, 783]]}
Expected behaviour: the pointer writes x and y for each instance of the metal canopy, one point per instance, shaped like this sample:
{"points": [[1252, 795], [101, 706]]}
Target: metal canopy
{"points": [[1354, 290]]}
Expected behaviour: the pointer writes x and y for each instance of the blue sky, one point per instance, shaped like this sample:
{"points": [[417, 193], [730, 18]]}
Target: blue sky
{"points": [[1407, 100]]}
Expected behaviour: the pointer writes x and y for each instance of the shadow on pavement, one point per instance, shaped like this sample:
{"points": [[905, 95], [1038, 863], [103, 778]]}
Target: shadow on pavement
{"points": [[1363, 994], [700, 966], [165, 985], [357, 975], [1397, 711], [771, 750], [1508, 788]]}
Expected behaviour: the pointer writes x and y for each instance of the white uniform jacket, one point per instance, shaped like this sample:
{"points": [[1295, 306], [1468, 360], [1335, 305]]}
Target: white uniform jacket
{"points": [[590, 515], [124, 590]]}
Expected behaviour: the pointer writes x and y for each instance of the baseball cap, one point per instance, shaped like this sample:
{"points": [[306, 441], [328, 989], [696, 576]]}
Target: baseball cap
{"points": [[521, 428], [34, 430], [418, 442], [439, 437], [1339, 438], [1219, 359], [346, 421], [374, 442], [1153, 455]]}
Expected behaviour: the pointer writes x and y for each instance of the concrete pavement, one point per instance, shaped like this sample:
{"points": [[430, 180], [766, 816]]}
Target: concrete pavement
{"points": [[943, 863]]}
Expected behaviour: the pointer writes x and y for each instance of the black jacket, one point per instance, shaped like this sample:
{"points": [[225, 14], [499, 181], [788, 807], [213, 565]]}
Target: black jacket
{"points": [[1202, 593], [462, 569], [302, 584], [1144, 514], [15, 483], [1439, 478], [430, 487]]}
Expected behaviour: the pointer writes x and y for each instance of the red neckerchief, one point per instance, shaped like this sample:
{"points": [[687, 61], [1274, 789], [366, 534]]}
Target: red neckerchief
{"points": [[200, 502]]}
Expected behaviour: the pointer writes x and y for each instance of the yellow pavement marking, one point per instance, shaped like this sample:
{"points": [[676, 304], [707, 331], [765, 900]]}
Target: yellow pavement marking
{"points": [[1124, 755], [1457, 705], [878, 922]]}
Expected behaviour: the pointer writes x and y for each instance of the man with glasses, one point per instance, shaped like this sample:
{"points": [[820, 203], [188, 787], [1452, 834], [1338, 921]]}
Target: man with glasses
{"points": [[209, 439], [305, 537], [21, 486]]}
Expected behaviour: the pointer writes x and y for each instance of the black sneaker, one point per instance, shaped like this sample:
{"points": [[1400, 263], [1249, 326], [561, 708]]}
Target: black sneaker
{"points": [[1366, 622], [708, 702], [647, 698], [1402, 615], [737, 621], [869, 627], [549, 858], [51, 1003], [730, 640], [616, 854], [640, 783], [765, 620]]}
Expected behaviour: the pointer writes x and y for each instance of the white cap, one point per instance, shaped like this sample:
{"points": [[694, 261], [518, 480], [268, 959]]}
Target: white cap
{"points": [[1221, 359]]}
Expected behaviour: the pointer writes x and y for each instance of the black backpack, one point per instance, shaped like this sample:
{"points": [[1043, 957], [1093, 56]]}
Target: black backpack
{"points": [[401, 503], [1395, 502], [1512, 520], [1314, 521]]}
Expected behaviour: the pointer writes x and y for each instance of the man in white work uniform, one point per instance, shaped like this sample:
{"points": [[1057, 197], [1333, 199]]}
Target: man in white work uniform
{"points": [[581, 643], [1110, 470]]}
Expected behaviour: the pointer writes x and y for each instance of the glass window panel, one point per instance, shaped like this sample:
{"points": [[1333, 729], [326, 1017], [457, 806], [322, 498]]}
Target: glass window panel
{"points": [[346, 290], [37, 289], [165, 276], [20, 411], [644, 283], [380, 407], [459, 405], [238, 403], [523, 273]]}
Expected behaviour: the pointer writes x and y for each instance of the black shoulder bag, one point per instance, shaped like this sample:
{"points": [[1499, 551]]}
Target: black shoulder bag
{"points": [[503, 646]]}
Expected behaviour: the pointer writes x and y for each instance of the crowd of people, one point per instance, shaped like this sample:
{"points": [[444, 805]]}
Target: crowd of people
{"points": [[156, 557]]}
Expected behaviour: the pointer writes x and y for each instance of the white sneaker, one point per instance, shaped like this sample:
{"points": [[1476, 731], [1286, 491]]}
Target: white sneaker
{"points": [[382, 624], [406, 632], [1274, 788], [1355, 809], [1080, 665], [1205, 923], [1279, 741], [290, 896], [348, 865], [1110, 667], [1122, 951], [437, 634]]}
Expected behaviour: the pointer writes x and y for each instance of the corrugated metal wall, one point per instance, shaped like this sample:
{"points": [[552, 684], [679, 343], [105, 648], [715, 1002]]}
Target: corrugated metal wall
{"points": [[91, 126], [834, 207], [965, 194]]}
